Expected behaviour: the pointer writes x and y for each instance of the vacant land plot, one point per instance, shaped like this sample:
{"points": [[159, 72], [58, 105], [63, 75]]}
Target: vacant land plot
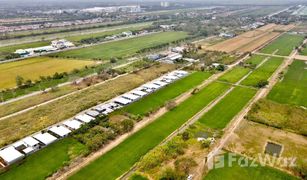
{"points": [[222, 113], [249, 47], [248, 41], [292, 88], [235, 74], [263, 73], [251, 138], [34, 120], [236, 170], [125, 47], [6, 50], [287, 117], [132, 149], [154, 101], [283, 45], [46, 161], [35, 67]]}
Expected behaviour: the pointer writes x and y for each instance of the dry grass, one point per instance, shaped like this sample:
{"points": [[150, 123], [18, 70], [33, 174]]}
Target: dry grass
{"points": [[287, 117], [14, 128], [250, 139], [250, 40], [35, 67]]}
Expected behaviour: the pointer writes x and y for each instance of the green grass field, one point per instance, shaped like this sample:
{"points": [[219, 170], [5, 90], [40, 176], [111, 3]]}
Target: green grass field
{"points": [[255, 59], [292, 88], [35, 67], [46, 161], [222, 113], [236, 171], [284, 44], [5, 50], [263, 73], [304, 52], [125, 47], [235, 74], [108, 32], [159, 98], [117, 161]]}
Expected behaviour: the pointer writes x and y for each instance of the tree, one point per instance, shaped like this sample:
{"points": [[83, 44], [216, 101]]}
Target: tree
{"points": [[19, 81], [262, 83], [220, 67], [185, 136], [113, 60], [127, 125]]}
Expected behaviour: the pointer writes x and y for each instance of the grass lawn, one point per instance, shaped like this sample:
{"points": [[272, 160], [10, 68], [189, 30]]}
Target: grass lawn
{"points": [[154, 101], [292, 88], [235, 74], [35, 67], [222, 113], [284, 44], [125, 47], [255, 59], [46, 161], [263, 73], [5, 50], [236, 171], [36, 119], [121, 158]]}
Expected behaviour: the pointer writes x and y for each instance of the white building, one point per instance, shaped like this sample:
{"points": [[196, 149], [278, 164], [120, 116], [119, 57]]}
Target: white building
{"points": [[122, 101], [10, 155], [84, 118], [45, 138], [72, 124], [62, 43], [60, 131]]}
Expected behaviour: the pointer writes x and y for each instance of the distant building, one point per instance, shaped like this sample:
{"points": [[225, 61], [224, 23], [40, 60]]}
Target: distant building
{"points": [[165, 4], [61, 44]]}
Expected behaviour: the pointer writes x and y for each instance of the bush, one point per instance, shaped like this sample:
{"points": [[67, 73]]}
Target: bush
{"points": [[185, 136], [184, 165], [127, 125], [262, 83], [170, 105]]}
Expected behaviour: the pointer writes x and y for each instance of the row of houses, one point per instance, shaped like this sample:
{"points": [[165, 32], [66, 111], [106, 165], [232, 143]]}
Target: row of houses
{"points": [[24, 147], [55, 45]]}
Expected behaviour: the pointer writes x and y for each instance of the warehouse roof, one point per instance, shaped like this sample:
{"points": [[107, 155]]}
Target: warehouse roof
{"points": [[30, 141], [84, 118], [45, 138], [10, 155], [60, 130], [130, 96], [122, 100], [139, 93], [73, 124]]}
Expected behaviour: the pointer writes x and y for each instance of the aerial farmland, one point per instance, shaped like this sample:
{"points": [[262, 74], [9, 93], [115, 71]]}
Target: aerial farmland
{"points": [[153, 90]]}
